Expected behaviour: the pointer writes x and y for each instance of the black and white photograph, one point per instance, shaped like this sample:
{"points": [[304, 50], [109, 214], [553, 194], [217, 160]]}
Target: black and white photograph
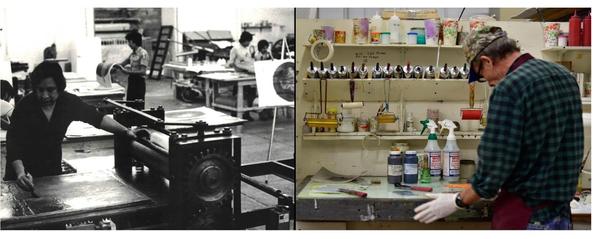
{"points": [[131, 118]]}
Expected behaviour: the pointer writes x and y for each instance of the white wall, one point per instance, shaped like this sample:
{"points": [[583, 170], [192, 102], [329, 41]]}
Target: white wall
{"points": [[5, 73], [29, 30], [193, 19]]}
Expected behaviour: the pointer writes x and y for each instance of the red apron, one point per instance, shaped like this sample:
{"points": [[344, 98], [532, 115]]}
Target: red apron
{"points": [[510, 212]]}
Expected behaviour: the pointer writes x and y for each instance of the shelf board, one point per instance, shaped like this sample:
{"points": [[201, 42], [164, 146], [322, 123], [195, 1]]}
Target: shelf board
{"points": [[391, 79], [330, 136], [391, 45], [568, 48]]}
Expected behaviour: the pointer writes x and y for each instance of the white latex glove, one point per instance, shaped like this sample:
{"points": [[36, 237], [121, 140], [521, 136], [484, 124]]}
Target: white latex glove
{"points": [[442, 206]]}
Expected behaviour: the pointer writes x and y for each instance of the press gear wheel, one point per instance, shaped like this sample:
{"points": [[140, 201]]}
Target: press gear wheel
{"points": [[210, 177]]}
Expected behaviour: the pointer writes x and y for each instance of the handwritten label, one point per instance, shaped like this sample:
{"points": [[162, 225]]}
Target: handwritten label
{"points": [[368, 56]]}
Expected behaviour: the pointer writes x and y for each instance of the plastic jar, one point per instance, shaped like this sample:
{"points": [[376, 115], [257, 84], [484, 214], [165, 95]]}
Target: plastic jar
{"points": [[385, 38], [412, 38]]}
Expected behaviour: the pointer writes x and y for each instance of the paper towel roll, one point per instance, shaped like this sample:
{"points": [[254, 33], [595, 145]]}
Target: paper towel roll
{"points": [[353, 105]]}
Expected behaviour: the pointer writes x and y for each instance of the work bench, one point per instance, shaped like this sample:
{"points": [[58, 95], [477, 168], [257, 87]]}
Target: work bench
{"points": [[384, 207], [239, 80], [186, 77], [92, 93]]}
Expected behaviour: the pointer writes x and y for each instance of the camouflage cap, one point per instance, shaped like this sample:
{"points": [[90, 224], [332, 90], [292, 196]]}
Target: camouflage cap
{"points": [[477, 41]]}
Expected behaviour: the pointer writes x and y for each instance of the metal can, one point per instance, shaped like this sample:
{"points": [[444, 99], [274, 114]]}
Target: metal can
{"points": [[385, 38], [375, 37], [411, 167], [395, 167], [340, 36], [360, 32]]}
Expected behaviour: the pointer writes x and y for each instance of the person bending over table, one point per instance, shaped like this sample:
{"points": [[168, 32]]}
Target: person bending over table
{"points": [[39, 123]]}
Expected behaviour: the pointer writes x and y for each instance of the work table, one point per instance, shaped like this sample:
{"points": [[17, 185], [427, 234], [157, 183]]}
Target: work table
{"points": [[383, 203]]}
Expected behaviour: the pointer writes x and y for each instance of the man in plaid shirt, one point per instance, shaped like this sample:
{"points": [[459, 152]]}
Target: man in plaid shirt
{"points": [[531, 150]]}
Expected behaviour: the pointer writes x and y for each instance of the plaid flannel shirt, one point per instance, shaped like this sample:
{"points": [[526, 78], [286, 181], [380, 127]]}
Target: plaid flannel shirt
{"points": [[533, 142]]}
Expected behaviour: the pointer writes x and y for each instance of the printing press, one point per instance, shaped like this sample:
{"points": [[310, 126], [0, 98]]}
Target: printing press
{"points": [[184, 178]]}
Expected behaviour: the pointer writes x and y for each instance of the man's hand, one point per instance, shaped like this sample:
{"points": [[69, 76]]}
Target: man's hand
{"points": [[25, 181], [442, 206]]}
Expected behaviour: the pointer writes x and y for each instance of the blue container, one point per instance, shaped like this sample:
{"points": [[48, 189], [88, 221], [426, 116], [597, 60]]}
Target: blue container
{"points": [[395, 167], [411, 167]]}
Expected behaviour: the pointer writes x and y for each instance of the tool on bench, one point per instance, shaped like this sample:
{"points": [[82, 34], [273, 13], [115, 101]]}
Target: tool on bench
{"points": [[353, 192], [415, 188]]}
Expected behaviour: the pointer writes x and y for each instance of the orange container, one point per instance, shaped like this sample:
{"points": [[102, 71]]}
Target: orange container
{"points": [[340, 36], [375, 37]]}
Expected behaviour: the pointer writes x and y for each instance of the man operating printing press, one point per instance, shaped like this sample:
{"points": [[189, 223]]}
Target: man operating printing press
{"points": [[39, 123]]}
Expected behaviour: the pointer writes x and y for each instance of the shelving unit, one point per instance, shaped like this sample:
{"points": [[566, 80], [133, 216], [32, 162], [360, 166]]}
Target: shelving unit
{"points": [[567, 48], [326, 136], [437, 90], [391, 45]]}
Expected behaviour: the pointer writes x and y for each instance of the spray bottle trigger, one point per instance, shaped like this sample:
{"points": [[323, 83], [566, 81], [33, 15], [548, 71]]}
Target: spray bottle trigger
{"points": [[424, 123]]}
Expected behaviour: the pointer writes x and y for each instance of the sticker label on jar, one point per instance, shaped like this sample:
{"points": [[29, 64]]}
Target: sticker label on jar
{"points": [[410, 169], [394, 170], [435, 163]]}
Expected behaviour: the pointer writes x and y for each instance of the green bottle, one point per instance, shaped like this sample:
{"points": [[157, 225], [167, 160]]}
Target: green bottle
{"points": [[425, 174]]}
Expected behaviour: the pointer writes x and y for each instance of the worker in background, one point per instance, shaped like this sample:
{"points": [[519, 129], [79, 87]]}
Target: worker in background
{"points": [[135, 66], [240, 56], [6, 107], [39, 123], [532, 147], [263, 51]]}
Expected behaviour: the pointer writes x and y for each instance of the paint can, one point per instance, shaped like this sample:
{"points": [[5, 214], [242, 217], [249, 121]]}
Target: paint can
{"points": [[562, 40], [360, 30], [450, 31], [328, 33], [318, 34], [395, 167], [375, 37], [385, 38], [411, 167], [471, 114], [412, 38], [340, 36], [467, 169], [551, 32], [432, 28]]}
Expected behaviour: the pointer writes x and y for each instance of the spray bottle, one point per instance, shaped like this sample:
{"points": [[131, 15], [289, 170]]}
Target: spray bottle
{"points": [[451, 153], [434, 153]]}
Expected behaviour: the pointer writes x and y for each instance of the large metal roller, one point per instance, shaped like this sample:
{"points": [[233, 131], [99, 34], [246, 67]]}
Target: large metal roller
{"points": [[151, 157]]}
